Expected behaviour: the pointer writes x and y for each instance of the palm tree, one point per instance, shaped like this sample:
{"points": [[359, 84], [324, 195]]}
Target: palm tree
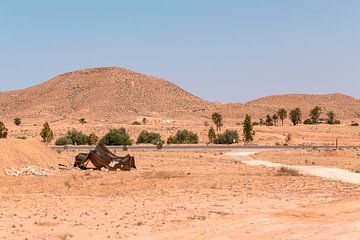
{"points": [[315, 114], [282, 113], [217, 119], [331, 117], [295, 116], [275, 118]]}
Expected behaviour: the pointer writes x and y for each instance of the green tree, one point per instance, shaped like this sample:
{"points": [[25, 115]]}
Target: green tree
{"points": [[211, 135], [282, 113], [46, 133], [116, 137], [17, 121], [3, 130], [295, 116], [217, 119], [275, 118], [248, 132], [331, 117], [315, 114]]}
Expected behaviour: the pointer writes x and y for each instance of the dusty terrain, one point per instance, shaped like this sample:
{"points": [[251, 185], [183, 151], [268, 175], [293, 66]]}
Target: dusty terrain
{"points": [[172, 194], [178, 195]]}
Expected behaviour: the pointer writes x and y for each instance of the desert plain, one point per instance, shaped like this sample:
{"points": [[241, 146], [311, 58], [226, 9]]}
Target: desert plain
{"points": [[175, 194]]}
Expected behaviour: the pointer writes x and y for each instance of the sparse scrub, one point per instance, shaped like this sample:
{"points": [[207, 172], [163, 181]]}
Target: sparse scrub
{"points": [[144, 121], [136, 123], [46, 133], [17, 121], [354, 124], [3, 130], [82, 120], [116, 137], [183, 137], [285, 171], [228, 137], [288, 139]]}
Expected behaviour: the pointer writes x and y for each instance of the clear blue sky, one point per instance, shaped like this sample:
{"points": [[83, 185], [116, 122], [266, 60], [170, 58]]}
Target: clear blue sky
{"points": [[224, 50]]}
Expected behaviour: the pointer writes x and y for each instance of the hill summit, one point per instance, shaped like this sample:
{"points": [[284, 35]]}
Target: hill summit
{"points": [[100, 92]]}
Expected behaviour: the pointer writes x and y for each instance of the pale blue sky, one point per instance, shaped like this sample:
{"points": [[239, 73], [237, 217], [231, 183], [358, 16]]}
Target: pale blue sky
{"points": [[224, 50]]}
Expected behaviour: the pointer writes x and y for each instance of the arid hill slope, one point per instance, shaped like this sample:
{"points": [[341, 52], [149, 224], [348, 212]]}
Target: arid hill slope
{"points": [[100, 93], [345, 107], [117, 93]]}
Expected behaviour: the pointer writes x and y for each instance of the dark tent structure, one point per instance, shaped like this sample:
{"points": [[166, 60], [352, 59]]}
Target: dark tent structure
{"points": [[102, 157]]}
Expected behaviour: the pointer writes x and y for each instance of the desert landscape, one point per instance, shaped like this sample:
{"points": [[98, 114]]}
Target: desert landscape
{"points": [[245, 193]]}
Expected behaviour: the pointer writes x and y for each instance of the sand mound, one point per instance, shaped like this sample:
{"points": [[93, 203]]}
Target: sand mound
{"points": [[21, 153]]}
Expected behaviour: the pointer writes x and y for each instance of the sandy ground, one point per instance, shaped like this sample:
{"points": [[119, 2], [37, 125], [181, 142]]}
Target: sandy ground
{"points": [[178, 195]]}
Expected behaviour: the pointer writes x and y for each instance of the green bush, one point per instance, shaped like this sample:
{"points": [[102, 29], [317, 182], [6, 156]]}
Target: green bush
{"points": [[77, 137], [228, 137], [63, 141], [116, 137], [73, 137], [148, 137], [308, 121], [183, 137]]}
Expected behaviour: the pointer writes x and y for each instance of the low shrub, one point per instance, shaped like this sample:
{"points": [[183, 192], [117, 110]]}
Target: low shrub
{"points": [[354, 124], [285, 171], [183, 137], [149, 137], [308, 121], [63, 141], [136, 123], [116, 137], [228, 137], [93, 139]]}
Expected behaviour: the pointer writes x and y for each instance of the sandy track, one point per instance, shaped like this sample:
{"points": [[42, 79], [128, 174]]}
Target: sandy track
{"points": [[318, 171]]}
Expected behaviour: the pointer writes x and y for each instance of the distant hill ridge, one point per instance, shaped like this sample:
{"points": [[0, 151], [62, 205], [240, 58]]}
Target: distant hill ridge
{"points": [[113, 92]]}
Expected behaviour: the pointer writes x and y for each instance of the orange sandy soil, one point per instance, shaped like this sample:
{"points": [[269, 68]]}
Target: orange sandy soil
{"points": [[322, 134], [346, 159], [178, 195]]}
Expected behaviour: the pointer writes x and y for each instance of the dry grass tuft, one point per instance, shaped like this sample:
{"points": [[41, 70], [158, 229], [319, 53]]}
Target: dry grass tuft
{"points": [[285, 171]]}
